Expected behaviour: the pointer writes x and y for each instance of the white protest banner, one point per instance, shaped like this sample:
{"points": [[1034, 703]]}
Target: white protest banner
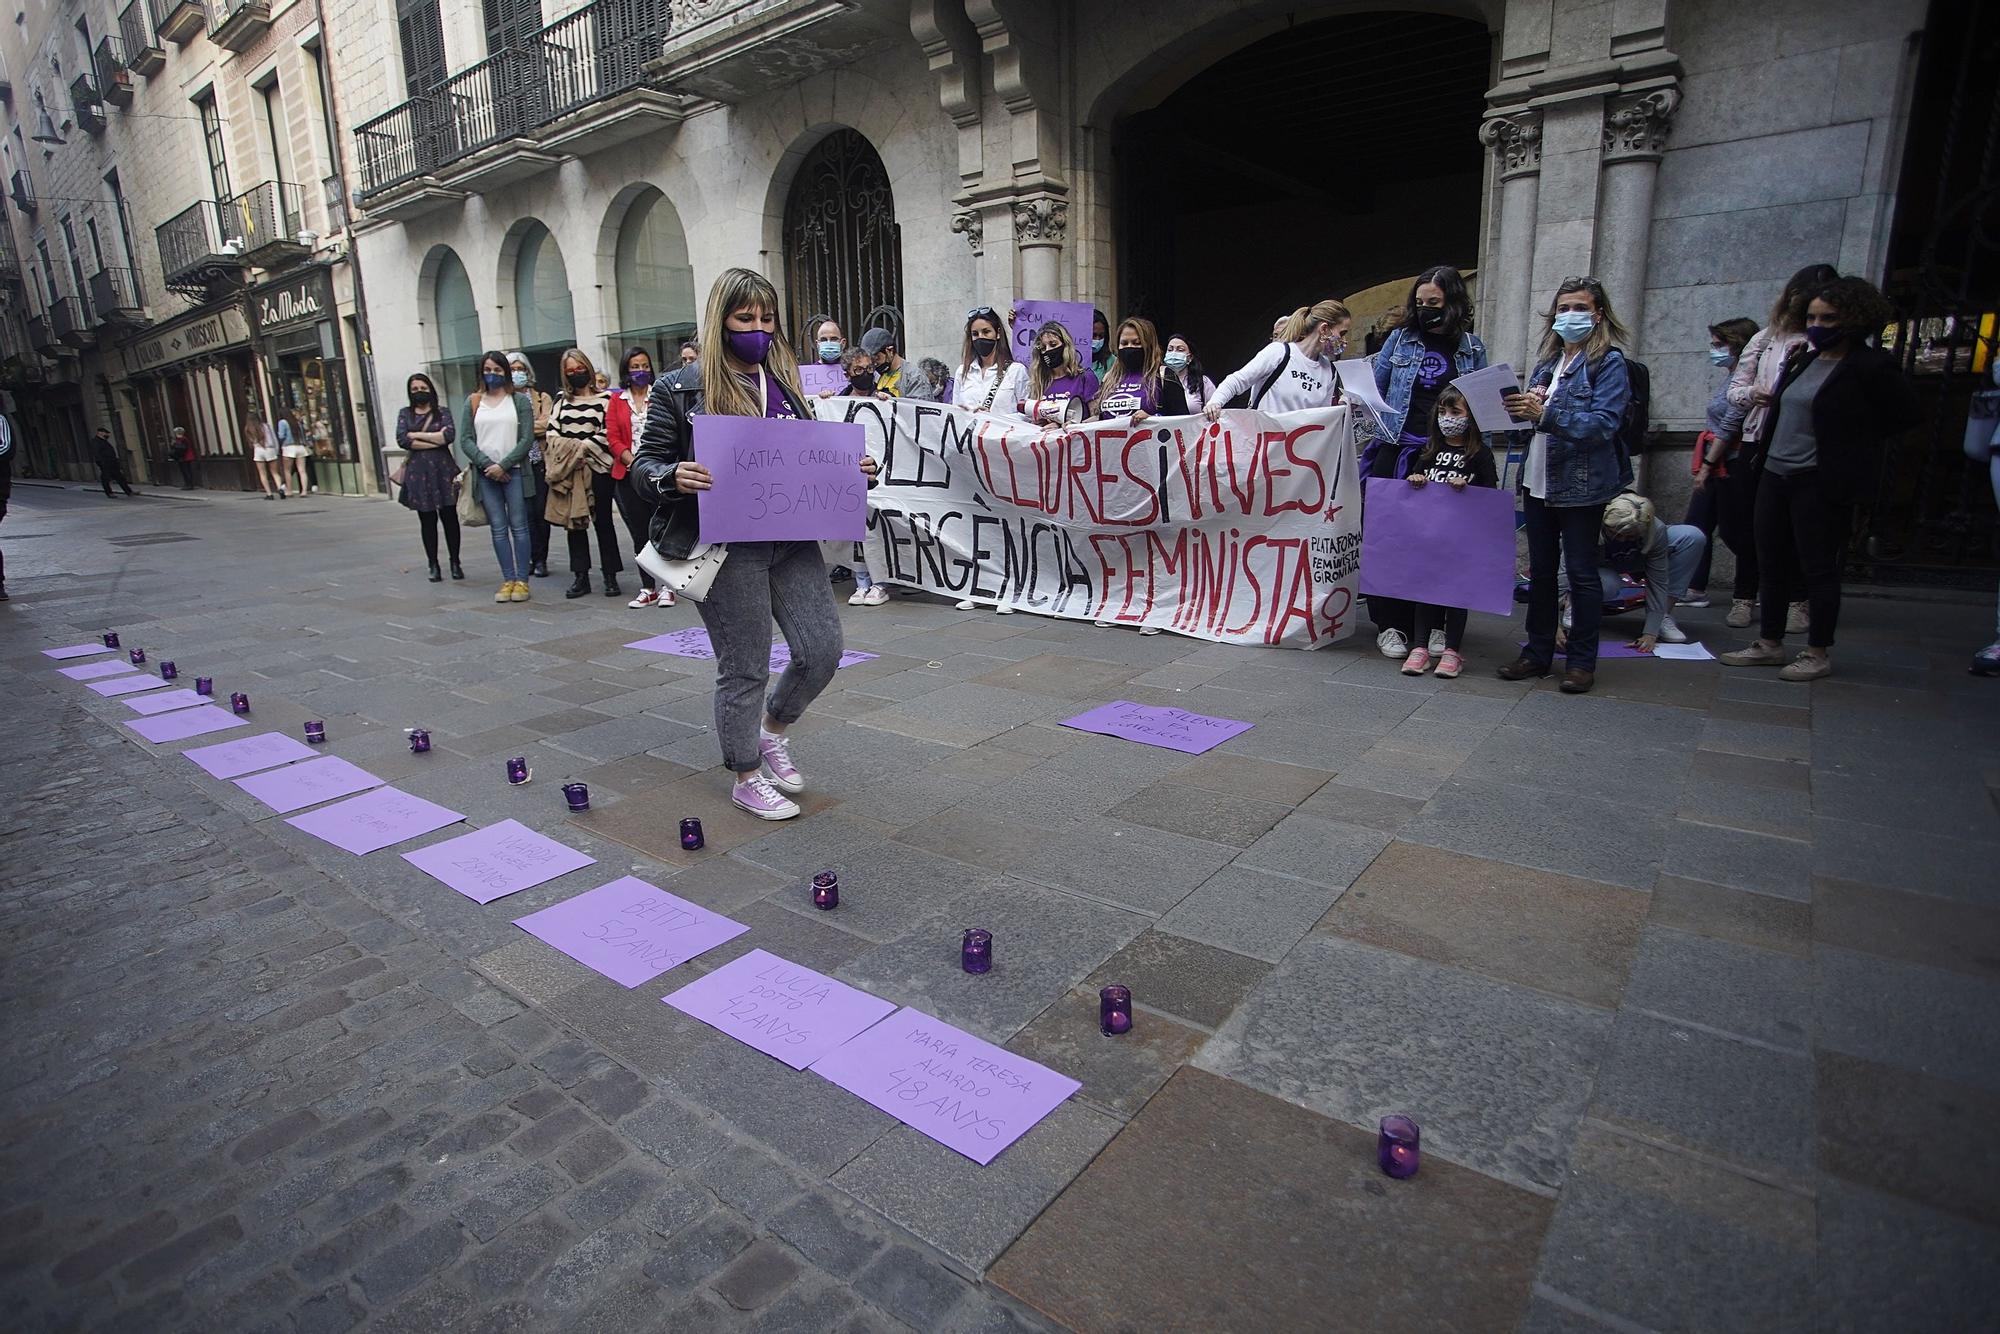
{"points": [[1243, 531]]}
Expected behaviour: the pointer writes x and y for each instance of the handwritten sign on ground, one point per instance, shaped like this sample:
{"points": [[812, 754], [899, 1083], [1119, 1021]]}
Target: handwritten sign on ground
{"points": [[630, 931], [816, 377], [233, 759], [496, 861], [1173, 729], [94, 671], [782, 481], [74, 651], [301, 785], [1076, 316], [693, 643], [780, 1008], [1244, 531], [1433, 544], [126, 685], [165, 702], [184, 723], [962, 1091], [374, 820]]}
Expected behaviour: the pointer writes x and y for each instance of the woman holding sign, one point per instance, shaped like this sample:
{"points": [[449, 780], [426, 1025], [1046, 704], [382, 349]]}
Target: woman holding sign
{"points": [[1577, 398], [1060, 387], [747, 370], [1295, 370]]}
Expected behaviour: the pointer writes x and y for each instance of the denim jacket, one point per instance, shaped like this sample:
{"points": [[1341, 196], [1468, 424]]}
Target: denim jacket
{"points": [[1586, 464], [1396, 367]]}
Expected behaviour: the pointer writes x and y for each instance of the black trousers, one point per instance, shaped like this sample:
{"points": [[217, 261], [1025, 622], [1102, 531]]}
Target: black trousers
{"points": [[187, 473], [1430, 618], [538, 524], [638, 516], [601, 504], [430, 520], [1705, 505], [1565, 534], [109, 473], [1798, 526]]}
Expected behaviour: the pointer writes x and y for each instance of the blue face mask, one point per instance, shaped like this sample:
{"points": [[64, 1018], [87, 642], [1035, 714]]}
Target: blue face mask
{"points": [[493, 381], [1097, 345], [1175, 360], [829, 349], [520, 379], [1721, 356], [1573, 326]]}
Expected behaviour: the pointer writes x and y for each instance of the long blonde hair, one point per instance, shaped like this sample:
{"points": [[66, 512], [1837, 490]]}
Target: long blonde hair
{"points": [[1149, 344], [577, 355], [723, 391], [1328, 312], [1607, 332], [1038, 375]]}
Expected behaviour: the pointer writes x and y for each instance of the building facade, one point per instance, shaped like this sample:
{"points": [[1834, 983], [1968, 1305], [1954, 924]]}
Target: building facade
{"points": [[178, 208]]}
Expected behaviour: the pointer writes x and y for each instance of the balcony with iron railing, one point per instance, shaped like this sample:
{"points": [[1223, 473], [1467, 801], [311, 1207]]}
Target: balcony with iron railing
{"points": [[114, 78], [22, 187], [87, 103], [265, 223], [178, 21], [10, 263], [143, 52], [70, 317], [114, 295], [196, 252], [234, 24], [738, 49]]}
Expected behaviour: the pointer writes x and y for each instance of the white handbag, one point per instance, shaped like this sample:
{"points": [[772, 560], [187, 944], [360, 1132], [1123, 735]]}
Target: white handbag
{"points": [[690, 578]]}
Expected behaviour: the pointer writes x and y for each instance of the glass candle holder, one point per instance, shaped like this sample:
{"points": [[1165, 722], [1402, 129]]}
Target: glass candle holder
{"points": [[975, 952], [111, 639], [420, 741], [316, 732], [1397, 1150], [691, 835], [1114, 1010], [167, 669], [826, 890], [204, 685], [518, 771], [138, 657], [239, 703], [577, 795]]}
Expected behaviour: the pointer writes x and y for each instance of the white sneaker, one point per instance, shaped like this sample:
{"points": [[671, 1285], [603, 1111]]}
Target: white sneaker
{"points": [[967, 604], [1003, 610], [872, 596], [1671, 633], [1436, 645], [1797, 619], [1393, 644], [1102, 625], [315, 490], [647, 597]]}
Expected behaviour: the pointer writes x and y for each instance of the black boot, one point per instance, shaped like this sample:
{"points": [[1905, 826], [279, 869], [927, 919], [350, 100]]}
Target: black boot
{"points": [[437, 577], [611, 588], [579, 588], [457, 570], [540, 570]]}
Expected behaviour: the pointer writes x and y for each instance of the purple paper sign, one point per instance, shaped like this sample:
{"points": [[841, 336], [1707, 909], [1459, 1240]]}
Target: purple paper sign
{"points": [[1172, 729], [781, 481], [233, 759], [1436, 545], [184, 723], [496, 861], [301, 785], [374, 820], [1079, 317], [816, 377], [165, 702], [126, 685], [74, 651], [92, 671], [962, 1091], [780, 1008], [693, 643], [630, 931]]}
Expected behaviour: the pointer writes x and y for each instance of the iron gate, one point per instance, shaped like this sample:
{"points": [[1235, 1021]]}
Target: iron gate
{"points": [[843, 249]]}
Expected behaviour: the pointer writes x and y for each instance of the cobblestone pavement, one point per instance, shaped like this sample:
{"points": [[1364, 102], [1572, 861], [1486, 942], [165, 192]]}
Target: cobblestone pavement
{"points": [[1691, 982]]}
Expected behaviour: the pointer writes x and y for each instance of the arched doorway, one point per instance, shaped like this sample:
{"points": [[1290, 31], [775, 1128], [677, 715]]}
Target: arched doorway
{"points": [[655, 281], [843, 249], [1326, 158], [542, 301], [457, 314]]}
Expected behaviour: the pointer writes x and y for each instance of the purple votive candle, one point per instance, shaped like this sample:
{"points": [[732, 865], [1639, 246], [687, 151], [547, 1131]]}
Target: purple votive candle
{"points": [[691, 835], [518, 771], [316, 732], [239, 703], [111, 639], [138, 657], [826, 890], [1114, 1010], [577, 795], [167, 669], [1397, 1149], [975, 952], [420, 741], [204, 685]]}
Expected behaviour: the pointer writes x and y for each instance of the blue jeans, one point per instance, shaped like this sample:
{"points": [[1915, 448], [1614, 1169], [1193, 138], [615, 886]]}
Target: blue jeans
{"points": [[507, 512], [1686, 549], [1563, 535]]}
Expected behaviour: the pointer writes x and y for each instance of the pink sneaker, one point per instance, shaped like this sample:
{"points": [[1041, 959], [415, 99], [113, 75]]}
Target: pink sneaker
{"points": [[1417, 662], [1450, 665], [754, 793], [776, 752]]}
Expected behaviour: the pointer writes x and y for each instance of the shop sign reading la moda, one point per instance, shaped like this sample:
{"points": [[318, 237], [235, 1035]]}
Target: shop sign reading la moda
{"points": [[299, 299]]}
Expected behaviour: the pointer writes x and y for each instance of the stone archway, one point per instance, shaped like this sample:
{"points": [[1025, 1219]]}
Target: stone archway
{"points": [[843, 249]]}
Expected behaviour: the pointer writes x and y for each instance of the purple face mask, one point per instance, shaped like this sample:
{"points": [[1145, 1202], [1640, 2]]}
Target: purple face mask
{"points": [[748, 345], [640, 379]]}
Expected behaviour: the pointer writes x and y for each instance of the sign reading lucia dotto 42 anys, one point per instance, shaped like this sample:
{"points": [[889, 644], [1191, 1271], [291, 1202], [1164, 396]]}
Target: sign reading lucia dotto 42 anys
{"points": [[302, 298]]}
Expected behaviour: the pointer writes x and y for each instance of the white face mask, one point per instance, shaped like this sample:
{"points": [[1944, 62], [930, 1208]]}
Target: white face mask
{"points": [[1454, 426]]}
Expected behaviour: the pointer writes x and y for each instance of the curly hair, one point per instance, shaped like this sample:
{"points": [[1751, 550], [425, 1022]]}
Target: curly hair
{"points": [[1858, 305]]}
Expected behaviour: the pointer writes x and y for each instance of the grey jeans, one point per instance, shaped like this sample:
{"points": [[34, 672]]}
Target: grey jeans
{"points": [[761, 581]]}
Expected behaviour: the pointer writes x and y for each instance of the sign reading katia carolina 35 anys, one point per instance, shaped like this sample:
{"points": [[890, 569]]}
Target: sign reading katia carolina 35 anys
{"points": [[1246, 530]]}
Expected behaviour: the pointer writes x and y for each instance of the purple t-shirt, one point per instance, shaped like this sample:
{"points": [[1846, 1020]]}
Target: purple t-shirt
{"points": [[775, 404], [1129, 394]]}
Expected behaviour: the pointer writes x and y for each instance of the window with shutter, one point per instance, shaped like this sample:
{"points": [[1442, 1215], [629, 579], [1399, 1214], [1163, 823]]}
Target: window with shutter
{"points": [[422, 33], [511, 24]]}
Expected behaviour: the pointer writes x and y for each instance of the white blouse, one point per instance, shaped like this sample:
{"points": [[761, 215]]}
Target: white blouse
{"points": [[974, 383]]}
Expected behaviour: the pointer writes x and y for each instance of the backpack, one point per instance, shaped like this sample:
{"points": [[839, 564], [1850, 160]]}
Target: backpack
{"points": [[1638, 413]]}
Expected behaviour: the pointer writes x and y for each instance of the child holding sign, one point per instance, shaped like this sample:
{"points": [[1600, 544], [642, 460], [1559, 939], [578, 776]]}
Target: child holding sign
{"points": [[1456, 455]]}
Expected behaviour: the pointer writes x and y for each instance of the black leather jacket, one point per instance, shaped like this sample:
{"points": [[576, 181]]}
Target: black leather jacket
{"points": [[666, 438]]}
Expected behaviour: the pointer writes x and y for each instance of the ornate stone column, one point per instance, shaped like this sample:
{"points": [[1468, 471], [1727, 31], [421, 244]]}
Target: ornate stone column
{"points": [[1635, 136], [1041, 222], [1516, 140]]}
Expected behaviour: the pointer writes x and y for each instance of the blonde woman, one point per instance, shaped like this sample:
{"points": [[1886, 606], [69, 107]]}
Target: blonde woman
{"points": [[747, 369], [1294, 371], [1061, 387], [1132, 390], [264, 452], [576, 454]]}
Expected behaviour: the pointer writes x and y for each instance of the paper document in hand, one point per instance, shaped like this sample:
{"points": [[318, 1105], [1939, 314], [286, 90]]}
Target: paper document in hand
{"points": [[1483, 390], [1357, 384]]}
